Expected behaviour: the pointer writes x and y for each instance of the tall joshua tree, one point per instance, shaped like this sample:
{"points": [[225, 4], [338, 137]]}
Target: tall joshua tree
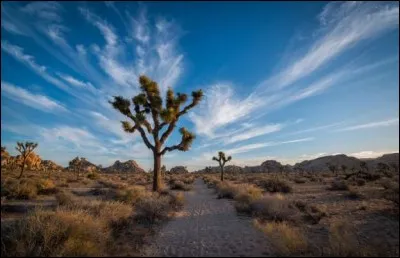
{"points": [[222, 160], [25, 149], [150, 102]]}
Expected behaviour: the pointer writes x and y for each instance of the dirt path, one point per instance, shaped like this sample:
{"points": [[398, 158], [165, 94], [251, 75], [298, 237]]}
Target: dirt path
{"points": [[208, 227]]}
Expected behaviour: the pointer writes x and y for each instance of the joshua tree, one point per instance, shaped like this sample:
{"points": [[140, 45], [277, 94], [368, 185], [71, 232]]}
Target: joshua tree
{"points": [[222, 160], [76, 165], [281, 169], [344, 168], [25, 149], [332, 168], [363, 166], [149, 102]]}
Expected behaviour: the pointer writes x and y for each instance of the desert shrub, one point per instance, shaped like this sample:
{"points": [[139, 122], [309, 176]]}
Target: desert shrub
{"points": [[65, 198], [152, 209], [273, 208], [343, 241], [19, 189], [338, 185], [301, 205], [130, 195], [354, 193], [300, 180], [391, 192], [286, 240], [274, 185], [93, 175], [177, 201], [247, 193], [60, 233], [227, 190], [360, 181], [314, 213], [72, 180], [46, 186], [179, 185]]}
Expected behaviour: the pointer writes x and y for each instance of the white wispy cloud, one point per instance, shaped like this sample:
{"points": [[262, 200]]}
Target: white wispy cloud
{"points": [[25, 97], [48, 10], [220, 107], [75, 82], [156, 54], [343, 26], [113, 126], [18, 54], [346, 24], [249, 147], [255, 132], [389, 122]]}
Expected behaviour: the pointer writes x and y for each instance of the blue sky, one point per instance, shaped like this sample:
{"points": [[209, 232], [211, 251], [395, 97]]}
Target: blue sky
{"points": [[284, 81]]}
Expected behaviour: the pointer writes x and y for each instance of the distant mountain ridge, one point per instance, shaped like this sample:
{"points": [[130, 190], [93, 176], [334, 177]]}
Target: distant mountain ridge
{"points": [[315, 165]]}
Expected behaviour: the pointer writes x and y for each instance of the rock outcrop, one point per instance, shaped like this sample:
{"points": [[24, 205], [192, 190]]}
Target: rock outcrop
{"points": [[178, 170], [129, 166]]}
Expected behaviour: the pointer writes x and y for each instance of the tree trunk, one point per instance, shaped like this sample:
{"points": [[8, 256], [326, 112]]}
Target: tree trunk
{"points": [[222, 173], [157, 172], [22, 168]]}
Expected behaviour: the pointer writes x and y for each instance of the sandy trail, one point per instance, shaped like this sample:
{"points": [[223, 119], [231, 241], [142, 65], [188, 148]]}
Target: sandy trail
{"points": [[208, 227]]}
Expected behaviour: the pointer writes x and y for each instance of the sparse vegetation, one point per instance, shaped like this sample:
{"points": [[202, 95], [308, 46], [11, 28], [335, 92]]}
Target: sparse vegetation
{"points": [[274, 185], [338, 185], [285, 238]]}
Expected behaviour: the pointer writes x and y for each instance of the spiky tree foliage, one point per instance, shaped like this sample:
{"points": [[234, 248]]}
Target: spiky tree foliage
{"points": [[25, 149], [344, 168], [222, 160], [149, 102]]}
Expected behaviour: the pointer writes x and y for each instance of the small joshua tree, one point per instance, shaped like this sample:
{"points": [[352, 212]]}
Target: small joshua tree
{"points": [[149, 102], [76, 165], [344, 168], [25, 149], [332, 168], [364, 166], [222, 160]]}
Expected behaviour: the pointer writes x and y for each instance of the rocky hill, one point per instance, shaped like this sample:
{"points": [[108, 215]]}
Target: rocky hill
{"points": [[129, 166], [49, 164]]}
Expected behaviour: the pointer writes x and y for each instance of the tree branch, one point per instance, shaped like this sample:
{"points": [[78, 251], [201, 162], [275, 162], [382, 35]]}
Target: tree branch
{"points": [[141, 131]]}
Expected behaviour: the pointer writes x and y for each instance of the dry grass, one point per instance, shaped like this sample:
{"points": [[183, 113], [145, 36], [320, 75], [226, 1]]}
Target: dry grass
{"points": [[274, 185], [300, 180], [285, 239], [152, 209], [245, 196], [60, 233], [227, 190], [338, 185], [274, 208], [24, 189], [179, 185]]}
